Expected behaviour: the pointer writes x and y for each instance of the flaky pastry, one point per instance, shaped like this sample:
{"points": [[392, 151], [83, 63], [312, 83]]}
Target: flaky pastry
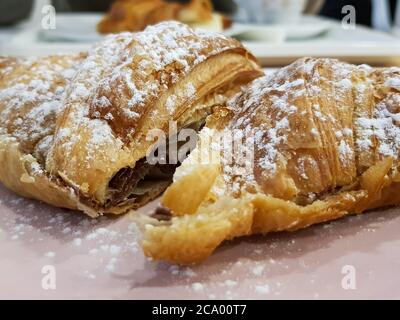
{"points": [[74, 128], [322, 140]]}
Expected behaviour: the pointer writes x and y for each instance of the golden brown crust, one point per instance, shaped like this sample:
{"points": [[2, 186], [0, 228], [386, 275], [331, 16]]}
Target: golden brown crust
{"points": [[136, 15], [68, 124], [326, 145], [23, 174], [151, 78], [30, 100]]}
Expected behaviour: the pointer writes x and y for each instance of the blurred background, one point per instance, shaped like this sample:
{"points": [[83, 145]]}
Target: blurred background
{"points": [[277, 31]]}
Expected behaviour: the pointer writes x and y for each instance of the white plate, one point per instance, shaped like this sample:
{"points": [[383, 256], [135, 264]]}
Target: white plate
{"points": [[81, 27], [308, 27], [306, 30]]}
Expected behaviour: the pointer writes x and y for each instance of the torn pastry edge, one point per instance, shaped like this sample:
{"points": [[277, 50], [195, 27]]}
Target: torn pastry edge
{"points": [[191, 238]]}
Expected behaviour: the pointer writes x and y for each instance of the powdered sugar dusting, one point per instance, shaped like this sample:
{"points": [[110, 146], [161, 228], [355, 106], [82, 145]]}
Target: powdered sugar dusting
{"points": [[329, 100], [384, 127], [345, 152], [381, 129], [124, 76], [162, 54], [91, 72], [33, 98]]}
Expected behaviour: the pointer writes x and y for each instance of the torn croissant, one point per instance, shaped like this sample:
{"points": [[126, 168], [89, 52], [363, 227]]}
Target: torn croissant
{"points": [[323, 140], [73, 129]]}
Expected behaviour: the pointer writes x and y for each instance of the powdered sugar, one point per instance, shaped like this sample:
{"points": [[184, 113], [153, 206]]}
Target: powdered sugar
{"points": [[262, 289], [170, 104], [394, 83], [383, 127], [330, 104], [258, 270], [123, 76], [154, 49], [33, 98], [274, 136], [189, 93], [345, 152], [197, 286], [346, 84]]}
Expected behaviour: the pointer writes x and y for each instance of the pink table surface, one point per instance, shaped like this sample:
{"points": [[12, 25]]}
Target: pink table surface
{"points": [[102, 258]]}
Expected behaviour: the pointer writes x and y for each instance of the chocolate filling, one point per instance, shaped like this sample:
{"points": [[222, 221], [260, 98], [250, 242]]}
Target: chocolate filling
{"points": [[162, 214], [125, 185], [129, 185]]}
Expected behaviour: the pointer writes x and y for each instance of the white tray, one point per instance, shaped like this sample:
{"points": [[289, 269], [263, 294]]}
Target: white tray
{"points": [[361, 45]]}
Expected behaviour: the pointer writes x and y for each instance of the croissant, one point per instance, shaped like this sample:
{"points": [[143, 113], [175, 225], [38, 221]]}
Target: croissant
{"points": [[320, 140], [135, 15], [74, 128]]}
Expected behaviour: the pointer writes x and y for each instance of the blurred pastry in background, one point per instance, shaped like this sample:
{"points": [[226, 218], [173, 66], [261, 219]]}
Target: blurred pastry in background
{"points": [[135, 15]]}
